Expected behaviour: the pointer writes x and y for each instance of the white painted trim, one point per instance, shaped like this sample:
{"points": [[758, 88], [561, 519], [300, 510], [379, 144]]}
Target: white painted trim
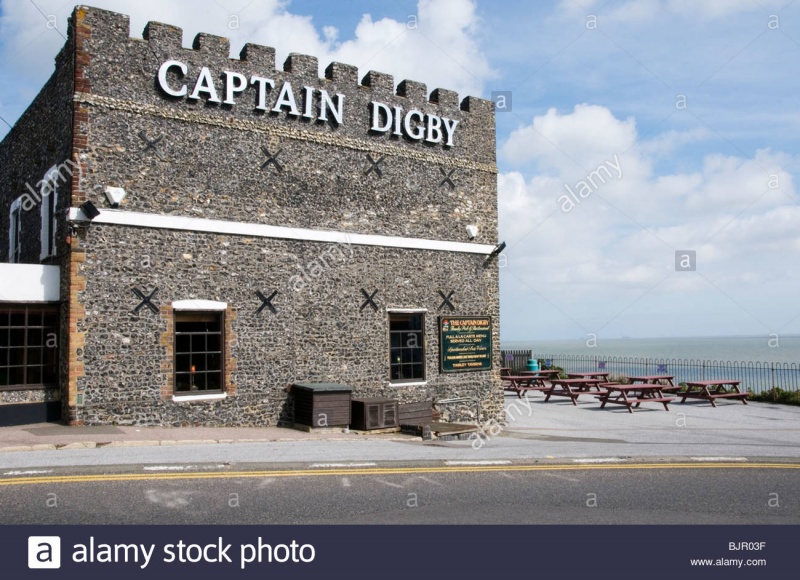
{"points": [[406, 310], [190, 398], [417, 384], [199, 305], [193, 224], [29, 283]]}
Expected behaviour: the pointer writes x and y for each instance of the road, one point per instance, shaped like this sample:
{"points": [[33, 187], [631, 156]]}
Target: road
{"points": [[391, 493]]}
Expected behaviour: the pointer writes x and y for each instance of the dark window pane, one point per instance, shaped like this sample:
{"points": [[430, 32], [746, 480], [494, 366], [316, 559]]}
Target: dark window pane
{"points": [[182, 382], [16, 356], [198, 343], [17, 337], [214, 381], [16, 376], [34, 376], [182, 363], [182, 343], [35, 337], [4, 337], [34, 356], [4, 314], [198, 362], [213, 343], [18, 319], [198, 381]]}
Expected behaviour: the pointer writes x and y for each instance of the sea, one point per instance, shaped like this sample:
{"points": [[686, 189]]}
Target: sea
{"points": [[765, 349]]}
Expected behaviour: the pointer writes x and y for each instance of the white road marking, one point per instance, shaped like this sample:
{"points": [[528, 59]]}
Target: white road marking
{"points": [[337, 465], [182, 467], [345, 482], [29, 472], [389, 483], [479, 462]]}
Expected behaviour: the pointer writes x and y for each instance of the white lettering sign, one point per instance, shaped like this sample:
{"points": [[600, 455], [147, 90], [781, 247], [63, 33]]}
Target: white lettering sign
{"points": [[308, 103]]}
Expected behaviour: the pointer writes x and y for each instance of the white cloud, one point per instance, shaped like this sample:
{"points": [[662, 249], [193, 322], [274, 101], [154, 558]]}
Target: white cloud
{"points": [[648, 10], [621, 238]]}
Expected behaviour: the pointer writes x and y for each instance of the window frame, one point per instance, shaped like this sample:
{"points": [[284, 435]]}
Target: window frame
{"points": [[49, 203], [15, 231], [46, 363], [197, 316], [413, 380]]}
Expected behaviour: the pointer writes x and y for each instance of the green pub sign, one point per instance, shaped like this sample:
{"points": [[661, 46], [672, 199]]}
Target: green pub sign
{"points": [[465, 343]]}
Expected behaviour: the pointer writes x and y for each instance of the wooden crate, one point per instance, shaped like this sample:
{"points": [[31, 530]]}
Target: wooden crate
{"points": [[320, 405]]}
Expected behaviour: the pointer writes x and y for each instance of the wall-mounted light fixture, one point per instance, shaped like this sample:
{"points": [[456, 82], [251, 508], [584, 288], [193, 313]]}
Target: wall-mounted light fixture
{"points": [[472, 231], [89, 210]]}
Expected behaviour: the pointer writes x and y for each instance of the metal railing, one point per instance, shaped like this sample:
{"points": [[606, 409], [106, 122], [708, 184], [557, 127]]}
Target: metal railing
{"points": [[754, 376]]}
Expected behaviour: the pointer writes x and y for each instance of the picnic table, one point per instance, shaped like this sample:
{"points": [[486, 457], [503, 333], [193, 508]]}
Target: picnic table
{"points": [[543, 373], [588, 375], [640, 393], [573, 388], [718, 389], [664, 380], [521, 383]]}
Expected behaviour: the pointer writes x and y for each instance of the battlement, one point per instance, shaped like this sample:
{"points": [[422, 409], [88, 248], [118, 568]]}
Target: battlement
{"points": [[165, 39]]}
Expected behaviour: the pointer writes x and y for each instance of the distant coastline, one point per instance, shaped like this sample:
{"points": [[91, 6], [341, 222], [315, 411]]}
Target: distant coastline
{"points": [[784, 349]]}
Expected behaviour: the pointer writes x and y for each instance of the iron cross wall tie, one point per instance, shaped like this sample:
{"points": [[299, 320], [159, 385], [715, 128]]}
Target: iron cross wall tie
{"points": [[446, 300], [369, 300], [271, 159], [448, 177], [145, 300], [374, 165], [151, 144], [266, 302]]}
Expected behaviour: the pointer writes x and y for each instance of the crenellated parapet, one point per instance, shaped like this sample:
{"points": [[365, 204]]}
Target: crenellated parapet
{"points": [[203, 82]]}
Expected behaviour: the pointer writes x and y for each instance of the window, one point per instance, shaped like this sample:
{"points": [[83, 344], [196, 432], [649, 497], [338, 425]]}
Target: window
{"points": [[407, 347], [15, 232], [28, 346], [198, 352], [49, 194]]}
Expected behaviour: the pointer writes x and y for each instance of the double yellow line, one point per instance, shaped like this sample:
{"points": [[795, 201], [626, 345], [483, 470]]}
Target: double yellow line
{"points": [[104, 477]]}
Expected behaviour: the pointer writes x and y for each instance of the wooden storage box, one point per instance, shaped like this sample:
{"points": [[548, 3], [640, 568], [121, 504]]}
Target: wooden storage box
{"points": [[374, 413], [320, 405]]}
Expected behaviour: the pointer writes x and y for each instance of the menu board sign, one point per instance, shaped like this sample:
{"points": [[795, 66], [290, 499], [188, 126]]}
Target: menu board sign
{"points": [[465, 343]]}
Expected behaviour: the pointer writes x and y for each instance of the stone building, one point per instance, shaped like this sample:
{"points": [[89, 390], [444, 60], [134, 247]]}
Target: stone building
{"points": [[189, 234]]}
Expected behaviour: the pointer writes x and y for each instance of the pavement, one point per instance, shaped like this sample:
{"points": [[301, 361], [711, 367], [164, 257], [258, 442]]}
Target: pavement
{"points": [[534, 431]]}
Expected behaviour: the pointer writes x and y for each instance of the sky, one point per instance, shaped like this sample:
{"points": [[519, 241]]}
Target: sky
{"points": [[648, 150]]}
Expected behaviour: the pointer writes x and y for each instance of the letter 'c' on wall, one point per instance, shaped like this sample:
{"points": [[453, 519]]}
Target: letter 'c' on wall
{"points": [[162, 78]]}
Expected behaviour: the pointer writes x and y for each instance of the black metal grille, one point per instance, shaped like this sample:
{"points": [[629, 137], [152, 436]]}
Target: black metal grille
{"points": [[28, 346]]}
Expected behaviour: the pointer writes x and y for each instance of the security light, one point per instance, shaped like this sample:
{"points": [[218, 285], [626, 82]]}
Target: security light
{"points": [[89, 210]]}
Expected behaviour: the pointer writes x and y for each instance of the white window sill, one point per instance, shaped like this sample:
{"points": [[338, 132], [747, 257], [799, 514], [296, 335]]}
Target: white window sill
{"points": [[417, 384], [191, 398]]}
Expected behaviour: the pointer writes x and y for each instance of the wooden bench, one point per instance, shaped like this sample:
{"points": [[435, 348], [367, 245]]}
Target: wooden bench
{"points": [[710, 390], [642, 393], [573, 388]]}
